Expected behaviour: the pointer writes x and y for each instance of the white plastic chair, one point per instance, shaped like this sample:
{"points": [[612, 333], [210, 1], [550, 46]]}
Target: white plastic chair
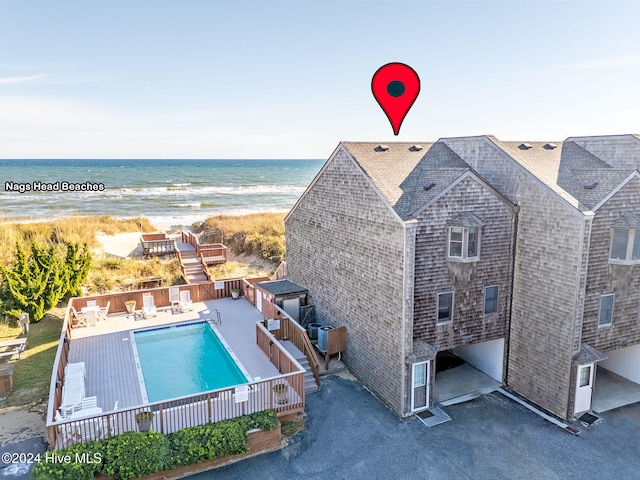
{"points": [[174, 296], [103, 312], [185, 301], [148, 307], [80, 320], [92, 303]]}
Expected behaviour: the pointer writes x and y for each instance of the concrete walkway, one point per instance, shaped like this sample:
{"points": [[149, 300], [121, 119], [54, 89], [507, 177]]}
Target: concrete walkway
{"points": [[612, 391], [351, 435]]}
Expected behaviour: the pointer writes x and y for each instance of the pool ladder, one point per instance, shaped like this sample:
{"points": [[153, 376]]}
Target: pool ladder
{"points": [[217, 320]]}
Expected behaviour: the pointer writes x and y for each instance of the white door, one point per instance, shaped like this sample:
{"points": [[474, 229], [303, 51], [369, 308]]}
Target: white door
{"points": [[584, 388], [420, 386], [292, 307], [259, 300]]}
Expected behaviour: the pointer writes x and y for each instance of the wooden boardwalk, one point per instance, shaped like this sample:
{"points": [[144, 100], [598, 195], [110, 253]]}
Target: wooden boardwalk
{"points": [[111, 371]]}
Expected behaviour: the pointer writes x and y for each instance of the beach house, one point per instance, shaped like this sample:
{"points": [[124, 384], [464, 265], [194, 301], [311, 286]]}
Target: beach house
{"points": [[518, 257]]}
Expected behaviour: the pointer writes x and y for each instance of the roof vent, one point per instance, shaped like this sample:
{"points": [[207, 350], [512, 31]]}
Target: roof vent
{"points": [[381, 148], [429, 186], [415, 148], [590, 185], [550, 146], [524, 146]]}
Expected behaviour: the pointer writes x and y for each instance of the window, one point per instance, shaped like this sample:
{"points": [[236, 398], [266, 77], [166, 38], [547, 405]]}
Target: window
{"points": [[606, 310], [445, 307], [490, 300], [464, 242], [625, 246], [585, 376]]}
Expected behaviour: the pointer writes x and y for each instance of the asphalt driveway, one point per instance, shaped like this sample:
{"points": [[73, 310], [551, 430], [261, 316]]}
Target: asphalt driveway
{"points": [[351, 435]]}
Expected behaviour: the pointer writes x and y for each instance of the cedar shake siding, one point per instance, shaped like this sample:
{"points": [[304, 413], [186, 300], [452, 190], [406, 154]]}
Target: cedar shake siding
{"points": [[370, 239], [604, 277], [435, 272], [347, 247], [546, 282]]}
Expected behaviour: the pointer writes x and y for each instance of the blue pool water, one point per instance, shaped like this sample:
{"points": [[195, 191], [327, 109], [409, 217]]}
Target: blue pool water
{"points": [[184, 360]]}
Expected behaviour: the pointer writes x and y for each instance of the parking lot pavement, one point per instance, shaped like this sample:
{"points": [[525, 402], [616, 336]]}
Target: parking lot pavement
{"points": [[350, 434]]}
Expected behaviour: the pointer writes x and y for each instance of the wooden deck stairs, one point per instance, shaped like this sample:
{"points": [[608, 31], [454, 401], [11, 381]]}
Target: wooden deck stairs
{"points": [[191, 264], [310, 384]]}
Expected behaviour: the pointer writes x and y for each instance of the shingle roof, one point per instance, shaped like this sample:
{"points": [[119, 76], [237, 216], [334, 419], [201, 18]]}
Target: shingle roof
{"points": [[465, 219], [587, 355], [408, 177], [281, 287], [628, 220], [572, 172]]}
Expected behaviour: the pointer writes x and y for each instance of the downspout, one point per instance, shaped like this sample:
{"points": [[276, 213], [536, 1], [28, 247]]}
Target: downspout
{"points": [[516, 212]]}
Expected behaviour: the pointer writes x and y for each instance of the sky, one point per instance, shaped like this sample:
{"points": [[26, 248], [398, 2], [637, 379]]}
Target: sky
{"points": [[291, 79]]}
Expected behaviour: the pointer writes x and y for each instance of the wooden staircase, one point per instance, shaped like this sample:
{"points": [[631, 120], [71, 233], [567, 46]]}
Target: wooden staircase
{"points": [[310, 384], [191, 264]]}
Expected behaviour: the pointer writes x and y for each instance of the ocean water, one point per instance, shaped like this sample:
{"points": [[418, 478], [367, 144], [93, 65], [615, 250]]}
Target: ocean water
{"points": [[168, 192]]}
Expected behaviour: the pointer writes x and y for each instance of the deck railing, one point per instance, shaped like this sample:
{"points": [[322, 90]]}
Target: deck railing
{"points": [[176, 414], [57, 373], [157, 244], [279, 356], [293, 331], [211, 253]]}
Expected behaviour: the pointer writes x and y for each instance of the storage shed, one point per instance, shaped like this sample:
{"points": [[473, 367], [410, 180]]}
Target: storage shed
{"points": [[287, 295]]}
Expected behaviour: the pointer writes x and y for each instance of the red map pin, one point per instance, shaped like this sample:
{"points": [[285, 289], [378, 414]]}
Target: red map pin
{"points": [[395, 86]]}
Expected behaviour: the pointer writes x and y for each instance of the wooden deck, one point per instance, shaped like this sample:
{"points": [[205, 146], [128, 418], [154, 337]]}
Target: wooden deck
{"points": [[111, 371]]}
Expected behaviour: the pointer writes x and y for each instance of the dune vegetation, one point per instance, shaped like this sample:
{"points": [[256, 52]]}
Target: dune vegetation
{"points": [[258, 234]]}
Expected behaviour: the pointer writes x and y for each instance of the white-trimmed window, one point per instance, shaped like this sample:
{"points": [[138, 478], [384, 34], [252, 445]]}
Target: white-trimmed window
{"points": [[625, 246], [464, 243], [444, 308], [490, 300], [605, 316]]}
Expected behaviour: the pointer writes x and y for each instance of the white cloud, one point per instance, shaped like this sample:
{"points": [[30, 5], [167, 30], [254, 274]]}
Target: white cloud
{"points": [[22, 79], [603, 63]]}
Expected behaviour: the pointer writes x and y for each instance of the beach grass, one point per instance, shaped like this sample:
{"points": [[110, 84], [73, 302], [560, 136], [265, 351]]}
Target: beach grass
{"points": [[32, 373], [256, 234], [110, 274], [76, 229]]}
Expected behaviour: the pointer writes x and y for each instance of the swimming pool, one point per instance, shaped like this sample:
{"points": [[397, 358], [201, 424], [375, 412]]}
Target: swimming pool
{"points": [[184, 360]]}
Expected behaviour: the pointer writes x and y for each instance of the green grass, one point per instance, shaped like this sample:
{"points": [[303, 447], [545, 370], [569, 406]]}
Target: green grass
{"points": [[32, 373]]}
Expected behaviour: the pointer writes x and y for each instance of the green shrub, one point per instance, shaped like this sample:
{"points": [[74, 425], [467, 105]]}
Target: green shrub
{"points": [[206, 442], [135, 454], [266, 420], [83, 460]]}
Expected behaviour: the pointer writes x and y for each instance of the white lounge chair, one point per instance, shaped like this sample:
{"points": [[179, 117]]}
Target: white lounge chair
{"points": [[185, 301], [174, 296], [148, 307], [88, 402], [74, 369]]}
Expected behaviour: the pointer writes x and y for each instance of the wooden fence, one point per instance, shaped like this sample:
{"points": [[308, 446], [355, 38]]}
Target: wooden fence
{"points": [[198, 292], [172, 415]]}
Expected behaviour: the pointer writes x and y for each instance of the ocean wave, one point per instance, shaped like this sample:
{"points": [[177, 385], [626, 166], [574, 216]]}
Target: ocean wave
{"points": [[214, 190], [187, 205]]}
